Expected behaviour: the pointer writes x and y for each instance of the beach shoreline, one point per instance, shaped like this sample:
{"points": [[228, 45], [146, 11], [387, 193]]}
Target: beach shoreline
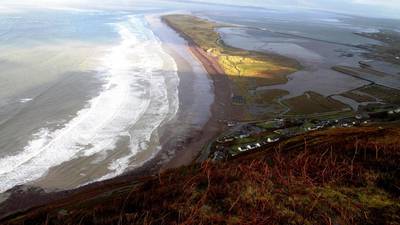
{"points": [[175, 151], [185, 150], [221, 109]]}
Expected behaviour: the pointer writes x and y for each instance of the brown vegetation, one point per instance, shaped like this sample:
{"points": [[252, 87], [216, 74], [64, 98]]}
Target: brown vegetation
{"points": [[337, 176], [383, 93], [311, 102], [267, 97], [358, 97]]}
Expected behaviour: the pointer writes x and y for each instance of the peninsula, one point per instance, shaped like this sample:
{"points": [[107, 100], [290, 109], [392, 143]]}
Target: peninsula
{"points": [[245, 70]]}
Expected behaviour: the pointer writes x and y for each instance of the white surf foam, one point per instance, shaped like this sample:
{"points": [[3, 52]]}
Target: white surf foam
{"points": [[25, 100], [136, 90]]}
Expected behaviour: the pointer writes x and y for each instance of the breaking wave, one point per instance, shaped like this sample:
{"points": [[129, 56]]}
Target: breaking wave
{"points": [[137, 88]]}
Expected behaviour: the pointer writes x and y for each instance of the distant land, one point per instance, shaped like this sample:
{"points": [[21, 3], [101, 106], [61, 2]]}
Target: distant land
{"points": [[249, 72], [246, 70]]}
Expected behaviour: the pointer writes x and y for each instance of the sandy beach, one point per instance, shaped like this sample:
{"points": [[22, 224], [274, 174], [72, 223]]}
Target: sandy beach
{"points": [[220, 110], [182, 140]]}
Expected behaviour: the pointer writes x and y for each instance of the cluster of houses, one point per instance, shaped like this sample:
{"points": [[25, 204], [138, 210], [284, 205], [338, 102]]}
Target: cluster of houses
{"points": [[279, 128], [347, 122], [383, 112], [257, 144], [395, 111], [240, 132]]}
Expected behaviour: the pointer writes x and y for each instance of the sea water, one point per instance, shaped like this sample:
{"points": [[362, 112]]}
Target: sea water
{"points": [[111, 81]]}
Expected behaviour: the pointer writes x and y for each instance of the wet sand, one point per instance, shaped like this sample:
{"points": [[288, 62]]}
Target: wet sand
{"points": [[187, 141], [220, 111]]}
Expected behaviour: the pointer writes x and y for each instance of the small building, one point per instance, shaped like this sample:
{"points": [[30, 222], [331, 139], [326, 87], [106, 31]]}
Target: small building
{"points": [[242, 149], [244, 136], [271, 140], [253, 146], [231, 124], [225, 139]]}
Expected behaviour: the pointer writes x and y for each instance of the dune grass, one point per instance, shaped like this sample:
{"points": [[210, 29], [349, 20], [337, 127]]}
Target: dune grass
{"points": [[234, 61]]}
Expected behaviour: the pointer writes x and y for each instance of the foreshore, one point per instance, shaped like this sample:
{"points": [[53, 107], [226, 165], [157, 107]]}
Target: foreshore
{"points": [[182, 139], [185, 150]]}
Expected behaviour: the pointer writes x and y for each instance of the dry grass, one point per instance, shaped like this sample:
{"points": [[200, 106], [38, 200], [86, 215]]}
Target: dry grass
{"points": [[311, 102], [386, 94], [234, 61], [358, 97], [268, 96], [339, 176]]}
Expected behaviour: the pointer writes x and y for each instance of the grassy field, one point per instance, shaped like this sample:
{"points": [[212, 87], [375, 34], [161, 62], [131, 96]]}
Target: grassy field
{"points": [[385, 94], [311, 103], [268, 96], [358, 97]]}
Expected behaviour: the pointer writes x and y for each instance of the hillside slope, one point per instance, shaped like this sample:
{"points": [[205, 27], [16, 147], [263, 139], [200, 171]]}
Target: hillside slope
{"points": [[336, 176]]}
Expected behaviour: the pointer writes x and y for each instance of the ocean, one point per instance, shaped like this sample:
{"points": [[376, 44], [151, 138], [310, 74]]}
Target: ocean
{"points": [[81, 91]]}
